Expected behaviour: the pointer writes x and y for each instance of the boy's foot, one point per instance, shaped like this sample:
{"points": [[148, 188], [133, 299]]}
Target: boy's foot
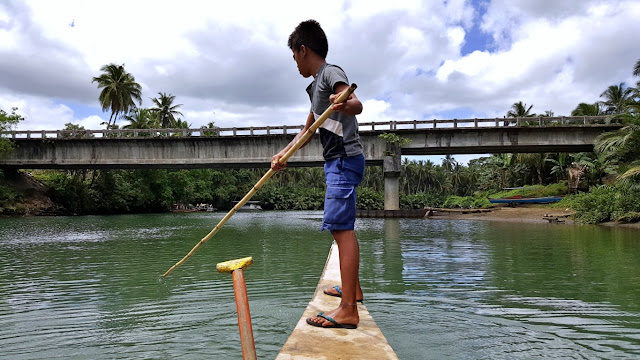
{"points": [[337, 292], [345, 316]]}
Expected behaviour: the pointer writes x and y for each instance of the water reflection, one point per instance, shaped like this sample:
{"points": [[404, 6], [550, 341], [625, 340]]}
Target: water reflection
{"points": [[88, 287], [511, 291]]}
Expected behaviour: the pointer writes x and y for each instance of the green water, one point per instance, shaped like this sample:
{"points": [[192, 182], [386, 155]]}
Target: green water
{"points": [[89, 288]]}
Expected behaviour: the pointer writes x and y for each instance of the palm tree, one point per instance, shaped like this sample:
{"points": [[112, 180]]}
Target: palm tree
{"points": [[617, 98], [560, 165], [181, 124], [622, 147], [636, 68], [584, 109], [119, 90], [535, 161], [520, 110], [141, 119], [165, 109], [501, 165]]}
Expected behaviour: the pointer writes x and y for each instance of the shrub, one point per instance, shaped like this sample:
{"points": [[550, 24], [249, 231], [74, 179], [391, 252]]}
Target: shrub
{"points": [[595, 206], [467, 202], [369, 199], [291, 198], [557, 189], [421, 200]]}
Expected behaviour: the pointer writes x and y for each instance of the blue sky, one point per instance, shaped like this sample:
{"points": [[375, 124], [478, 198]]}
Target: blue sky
{"points": [[229, 63]]}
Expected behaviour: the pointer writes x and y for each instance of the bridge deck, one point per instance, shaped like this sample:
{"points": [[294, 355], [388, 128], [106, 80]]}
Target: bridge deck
{"points": [[202, 148], [308, 342]]}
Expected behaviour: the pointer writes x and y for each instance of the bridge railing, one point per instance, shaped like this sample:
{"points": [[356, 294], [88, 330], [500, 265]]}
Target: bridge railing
{"points": [[292, 129]]}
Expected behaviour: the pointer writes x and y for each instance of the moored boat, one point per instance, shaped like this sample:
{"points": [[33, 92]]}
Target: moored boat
{"points": [[519, 199], [250, 206], [179, 208]]}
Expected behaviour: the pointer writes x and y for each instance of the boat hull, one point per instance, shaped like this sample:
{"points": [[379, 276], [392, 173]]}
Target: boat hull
{"points": [[523, 200]]}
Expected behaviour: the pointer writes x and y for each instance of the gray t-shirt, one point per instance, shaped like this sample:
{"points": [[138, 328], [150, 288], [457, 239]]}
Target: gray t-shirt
{"points": [[339, 133]]}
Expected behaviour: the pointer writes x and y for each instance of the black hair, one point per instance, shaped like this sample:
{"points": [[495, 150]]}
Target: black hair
{"points": [[310, 34]]}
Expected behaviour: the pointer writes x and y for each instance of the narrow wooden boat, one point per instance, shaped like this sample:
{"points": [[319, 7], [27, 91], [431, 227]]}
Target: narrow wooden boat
{"points": [[308, 342], [519, 199]]}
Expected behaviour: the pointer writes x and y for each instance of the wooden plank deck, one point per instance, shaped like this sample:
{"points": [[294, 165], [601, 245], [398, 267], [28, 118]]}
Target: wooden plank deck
{"points": [[308, 342]]}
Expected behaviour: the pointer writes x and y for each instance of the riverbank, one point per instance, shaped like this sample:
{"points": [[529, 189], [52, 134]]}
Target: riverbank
{"points": [[523, 214], [29, 196]]}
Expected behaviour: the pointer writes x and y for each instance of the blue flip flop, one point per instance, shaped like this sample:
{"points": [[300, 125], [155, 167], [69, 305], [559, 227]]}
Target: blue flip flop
{"points": [[335, 324], [340, 293]]}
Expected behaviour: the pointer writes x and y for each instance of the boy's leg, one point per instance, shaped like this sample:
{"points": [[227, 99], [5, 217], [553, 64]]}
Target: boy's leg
{"points": [[333, 292], [349, 263], [347, 312]]}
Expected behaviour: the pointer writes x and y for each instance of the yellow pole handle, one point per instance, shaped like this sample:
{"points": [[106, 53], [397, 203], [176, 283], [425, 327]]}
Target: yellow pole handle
{"points": [[312, 129]]}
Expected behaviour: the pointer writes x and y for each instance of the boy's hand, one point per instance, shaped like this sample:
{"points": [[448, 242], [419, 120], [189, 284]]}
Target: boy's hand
{"points": [[352, 106], [275, 162], [338, 106]]}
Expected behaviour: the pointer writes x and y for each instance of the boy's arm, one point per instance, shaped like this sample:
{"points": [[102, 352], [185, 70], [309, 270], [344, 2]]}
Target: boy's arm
{"points": [[352, 106], [275, 159]]}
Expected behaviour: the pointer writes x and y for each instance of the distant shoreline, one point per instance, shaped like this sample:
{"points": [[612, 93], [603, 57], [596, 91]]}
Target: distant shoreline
{"points": [[533, 214]]}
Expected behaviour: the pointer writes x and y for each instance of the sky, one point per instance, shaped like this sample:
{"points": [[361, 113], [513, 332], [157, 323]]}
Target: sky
{"points": [[228, 62]]}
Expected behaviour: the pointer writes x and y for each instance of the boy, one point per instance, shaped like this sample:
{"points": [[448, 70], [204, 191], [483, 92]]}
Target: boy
{"points": [[344, 164]]}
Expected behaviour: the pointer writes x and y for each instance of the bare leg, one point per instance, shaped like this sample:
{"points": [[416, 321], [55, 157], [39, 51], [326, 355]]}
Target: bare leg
{"points": [[347, 312], [333, 292]]}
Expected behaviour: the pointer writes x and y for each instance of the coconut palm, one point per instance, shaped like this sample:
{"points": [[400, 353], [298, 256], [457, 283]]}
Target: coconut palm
{"points": [[119, 91], [560, 165], [631, 175], [520, 110], [584, 109], [536, 161], [141, 119], [165, 109], [622, 147], [501, 165], [181, 124], [623, 144], [617, 98], [636, 68]]}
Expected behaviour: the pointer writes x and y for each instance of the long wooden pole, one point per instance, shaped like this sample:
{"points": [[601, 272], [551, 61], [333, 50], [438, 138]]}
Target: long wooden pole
{"points": [[305, 137]]}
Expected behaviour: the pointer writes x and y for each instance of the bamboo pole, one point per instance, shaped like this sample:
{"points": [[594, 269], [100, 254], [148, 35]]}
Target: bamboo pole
{"points": [[305, 137]]}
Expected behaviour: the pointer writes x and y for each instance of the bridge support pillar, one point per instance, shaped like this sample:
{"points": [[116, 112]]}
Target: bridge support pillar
{"points": [[391, 168]]}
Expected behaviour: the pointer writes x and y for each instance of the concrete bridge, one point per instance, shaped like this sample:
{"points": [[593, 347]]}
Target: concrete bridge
{"points": [[253, 146]]}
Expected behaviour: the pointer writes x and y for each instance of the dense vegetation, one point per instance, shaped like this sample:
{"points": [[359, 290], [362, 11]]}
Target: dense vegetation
{"points": [[606, 183]]}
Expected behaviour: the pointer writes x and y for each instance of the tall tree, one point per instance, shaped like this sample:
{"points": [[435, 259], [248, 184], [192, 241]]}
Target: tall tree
{"points": [[520, 110], [617, 98], [7, 122], [141, 119], [622, 147], [535, 161], [636, 68], [584, 109], [119, 91], [165, 109]]}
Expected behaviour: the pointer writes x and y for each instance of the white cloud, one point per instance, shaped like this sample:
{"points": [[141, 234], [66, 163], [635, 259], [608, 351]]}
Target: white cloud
{"points": [[228, 62]]}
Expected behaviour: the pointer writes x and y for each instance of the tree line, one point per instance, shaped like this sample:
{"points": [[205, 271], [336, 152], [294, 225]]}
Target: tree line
{"points": [[606, 181]]}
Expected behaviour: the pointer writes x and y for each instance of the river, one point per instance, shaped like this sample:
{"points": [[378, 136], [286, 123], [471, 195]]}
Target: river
{"points": [[89, 287]]}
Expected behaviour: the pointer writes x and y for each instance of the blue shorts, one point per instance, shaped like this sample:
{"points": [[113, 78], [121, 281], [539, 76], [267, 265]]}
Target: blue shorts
{"points": [[342, 175]]}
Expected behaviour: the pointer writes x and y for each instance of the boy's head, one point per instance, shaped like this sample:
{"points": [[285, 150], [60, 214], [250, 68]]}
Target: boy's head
{"points": [[310, 34]]}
